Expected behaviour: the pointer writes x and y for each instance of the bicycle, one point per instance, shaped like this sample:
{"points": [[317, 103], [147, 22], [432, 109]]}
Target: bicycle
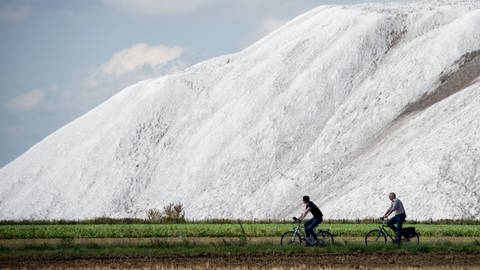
{"points": [[298, 237], [379, 236]]}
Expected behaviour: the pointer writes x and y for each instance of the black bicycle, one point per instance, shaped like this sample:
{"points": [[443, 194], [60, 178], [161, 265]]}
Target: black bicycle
{"points": [[379, 236], [298, 237]]}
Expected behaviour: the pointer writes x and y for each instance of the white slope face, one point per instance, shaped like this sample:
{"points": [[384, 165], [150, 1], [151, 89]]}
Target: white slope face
{"points": [[344, 104]]}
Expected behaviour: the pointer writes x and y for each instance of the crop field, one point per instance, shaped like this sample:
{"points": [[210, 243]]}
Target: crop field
{"points": [[208, 230], [228, 246]]}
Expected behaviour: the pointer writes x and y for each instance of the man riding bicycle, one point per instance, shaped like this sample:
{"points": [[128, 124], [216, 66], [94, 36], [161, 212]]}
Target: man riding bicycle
{"points": [[399, 218], [313, 222]]}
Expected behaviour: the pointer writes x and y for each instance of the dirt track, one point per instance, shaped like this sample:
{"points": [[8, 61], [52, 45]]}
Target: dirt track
{"points": [[394, 260]]}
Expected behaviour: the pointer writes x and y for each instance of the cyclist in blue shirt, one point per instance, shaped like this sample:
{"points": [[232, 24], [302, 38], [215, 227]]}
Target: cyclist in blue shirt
{"points": [[313, 222]]}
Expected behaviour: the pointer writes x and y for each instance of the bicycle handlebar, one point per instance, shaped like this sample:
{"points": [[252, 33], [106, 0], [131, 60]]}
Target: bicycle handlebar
{"points": [[384, 220]]}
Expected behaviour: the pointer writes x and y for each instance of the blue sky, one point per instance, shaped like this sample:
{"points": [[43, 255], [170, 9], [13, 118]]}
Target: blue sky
{"points": [[61, 58]]}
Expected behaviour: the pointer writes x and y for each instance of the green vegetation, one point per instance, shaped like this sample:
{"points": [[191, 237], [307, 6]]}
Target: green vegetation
{"points": [[139, 230], [240, 246], [208, 230], [71, 240]]}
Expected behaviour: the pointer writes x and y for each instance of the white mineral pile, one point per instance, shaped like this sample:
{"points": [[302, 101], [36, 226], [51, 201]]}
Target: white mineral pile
{"points": [[344, 104]]}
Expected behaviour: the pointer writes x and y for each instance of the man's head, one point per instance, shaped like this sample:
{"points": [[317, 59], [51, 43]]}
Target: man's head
{"points": [[392, 196], [306, 199]]}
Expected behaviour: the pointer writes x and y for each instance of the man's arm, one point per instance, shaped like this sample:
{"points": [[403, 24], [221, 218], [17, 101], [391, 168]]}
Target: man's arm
{"points": [[390, 210], [304, 213]]}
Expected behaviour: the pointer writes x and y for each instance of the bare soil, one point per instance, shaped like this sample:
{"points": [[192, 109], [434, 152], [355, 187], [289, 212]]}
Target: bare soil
{"points": [[355, 260]]}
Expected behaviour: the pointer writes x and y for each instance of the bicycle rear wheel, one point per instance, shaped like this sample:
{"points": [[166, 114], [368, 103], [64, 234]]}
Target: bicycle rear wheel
{"points": [[411, 241], [290, 238], [325, 238], [375, 237]]}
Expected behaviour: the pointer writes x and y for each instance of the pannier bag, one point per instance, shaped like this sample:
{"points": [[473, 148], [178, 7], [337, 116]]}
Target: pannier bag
{"points": [[409, 232]]}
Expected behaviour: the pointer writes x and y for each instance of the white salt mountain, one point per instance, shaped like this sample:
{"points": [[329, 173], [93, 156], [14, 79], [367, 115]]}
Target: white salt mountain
{"points": [[344, 104]]}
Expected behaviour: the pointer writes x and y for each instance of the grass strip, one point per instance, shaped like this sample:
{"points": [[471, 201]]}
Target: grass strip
{"points": [[208, 230], [225, 248]]}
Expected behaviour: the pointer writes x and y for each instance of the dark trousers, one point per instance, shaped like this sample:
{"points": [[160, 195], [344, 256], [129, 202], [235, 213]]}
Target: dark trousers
{"points": [[398, 220], [310, 226]]}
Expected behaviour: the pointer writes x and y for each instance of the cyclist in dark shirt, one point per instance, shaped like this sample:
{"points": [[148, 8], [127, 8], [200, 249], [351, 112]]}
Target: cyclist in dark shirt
{"points": [[313, 222]]}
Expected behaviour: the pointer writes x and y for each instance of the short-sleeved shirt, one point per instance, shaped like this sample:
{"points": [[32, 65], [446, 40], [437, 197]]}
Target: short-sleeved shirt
{"points": [[314, 209], [397, 206]]}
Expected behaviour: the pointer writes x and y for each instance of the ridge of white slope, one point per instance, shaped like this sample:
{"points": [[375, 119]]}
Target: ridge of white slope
{"points": [[343, 103]]}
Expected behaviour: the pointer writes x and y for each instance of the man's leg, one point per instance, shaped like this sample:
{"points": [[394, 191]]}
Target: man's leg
{"points": [[311, 227], [306, 225], [401, 219], [391, 223]]}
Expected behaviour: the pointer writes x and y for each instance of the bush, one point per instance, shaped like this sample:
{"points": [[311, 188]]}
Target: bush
{"points": [[154, 215], [172, 213]]}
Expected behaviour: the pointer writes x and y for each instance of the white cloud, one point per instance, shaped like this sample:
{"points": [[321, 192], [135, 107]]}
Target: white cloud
{"points": [[27, 102], [271, 24], [134, 58], [261, 28], [11, 14], [158, 7]]}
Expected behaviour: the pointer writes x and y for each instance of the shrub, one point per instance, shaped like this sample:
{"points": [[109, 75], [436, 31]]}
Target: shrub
{"points": [[172, 213], [154, 214]]}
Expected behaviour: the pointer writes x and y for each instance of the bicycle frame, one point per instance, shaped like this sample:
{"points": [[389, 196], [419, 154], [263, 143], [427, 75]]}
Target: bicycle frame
{"points": [[382, 228], [297, 230]]}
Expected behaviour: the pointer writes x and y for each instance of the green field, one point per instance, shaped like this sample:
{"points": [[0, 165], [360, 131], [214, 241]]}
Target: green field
{"points": [[208, 230], [229, 247], [21, 242]]}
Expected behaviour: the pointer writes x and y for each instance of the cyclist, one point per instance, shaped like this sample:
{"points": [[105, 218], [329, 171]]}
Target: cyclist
{"points": [[398, 219], [313, 222]]}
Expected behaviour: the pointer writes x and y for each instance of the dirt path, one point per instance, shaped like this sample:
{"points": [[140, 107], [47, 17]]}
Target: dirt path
{"points": [[393, 260]]}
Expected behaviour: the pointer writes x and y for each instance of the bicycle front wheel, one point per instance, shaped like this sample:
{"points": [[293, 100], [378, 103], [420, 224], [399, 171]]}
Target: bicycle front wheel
{"points": [[325, 237], [290, 238], [375, 237]]}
